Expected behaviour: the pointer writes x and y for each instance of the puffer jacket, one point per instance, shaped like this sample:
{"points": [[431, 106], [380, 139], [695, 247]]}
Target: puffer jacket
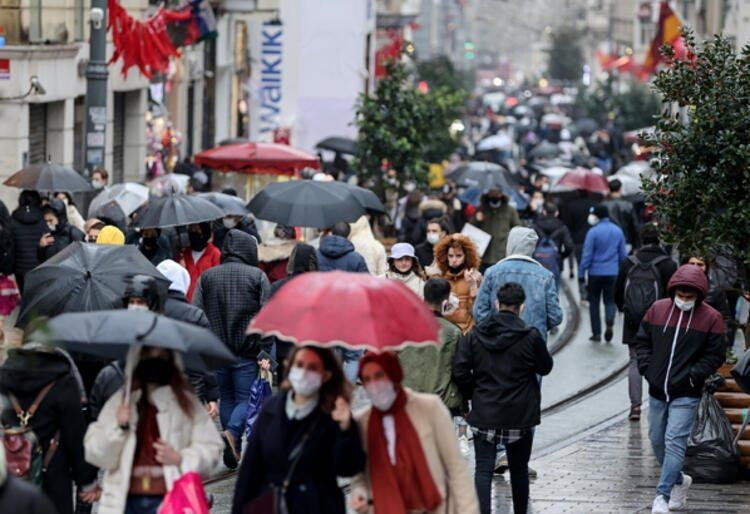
{"points": [[26, 228], [368, 247], [64, 233], [337, 253], [112, 449], [678, 350], [233, 292]]}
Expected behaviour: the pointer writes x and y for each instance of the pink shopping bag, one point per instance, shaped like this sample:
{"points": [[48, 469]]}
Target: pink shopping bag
{"points": [[187, 496]]}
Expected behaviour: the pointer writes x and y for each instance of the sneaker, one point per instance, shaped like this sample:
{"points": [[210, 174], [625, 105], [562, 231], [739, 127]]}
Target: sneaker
{"points": [[501, 464], [608, 333], [595, 339], [678, 496], [660, 505], [532, 472], [230, 456], [635, 413]]}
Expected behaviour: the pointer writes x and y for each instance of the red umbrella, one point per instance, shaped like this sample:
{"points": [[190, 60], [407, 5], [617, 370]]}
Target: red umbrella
{"points": [[582, 178], [355, 310], [249, 157]]}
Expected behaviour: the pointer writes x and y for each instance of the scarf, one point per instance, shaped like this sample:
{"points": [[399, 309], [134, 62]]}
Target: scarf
{"points": [[407, 485]]}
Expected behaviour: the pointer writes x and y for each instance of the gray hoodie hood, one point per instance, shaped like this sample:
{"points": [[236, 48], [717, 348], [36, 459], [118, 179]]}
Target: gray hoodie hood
{"points": [[521, 241]]}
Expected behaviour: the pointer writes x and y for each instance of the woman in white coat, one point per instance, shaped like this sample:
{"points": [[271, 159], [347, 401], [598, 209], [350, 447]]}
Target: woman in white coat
{"points": [[404, 266], [146, 444]]}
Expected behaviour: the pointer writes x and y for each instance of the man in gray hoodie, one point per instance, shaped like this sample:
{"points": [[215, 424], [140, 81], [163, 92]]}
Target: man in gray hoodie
{"points": [[542, 302]]}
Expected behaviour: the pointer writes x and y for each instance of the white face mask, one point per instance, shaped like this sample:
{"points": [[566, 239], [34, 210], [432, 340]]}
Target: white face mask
{"points": [[97, 184], [305, 382], [382, 394], [137, 307], [545, 187], [593, 219], [683, 305], [229, 222], [450, 305], [433, 238], [51, 226]]}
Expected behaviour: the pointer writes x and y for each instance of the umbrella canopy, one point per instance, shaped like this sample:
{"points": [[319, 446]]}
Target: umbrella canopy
{"points": [[582, 178], [497, 142], [630, 185], [110, 212], [339, 144], [169, 184], [366, 198], [229, 205], [637, 169], [306, 203], [272, 158], [128, 196], [554, 172], [176, 210], [545, 150], [48, 177], [486, 175], [83, 277], [110, 333], [586, 126], [355, 310]]}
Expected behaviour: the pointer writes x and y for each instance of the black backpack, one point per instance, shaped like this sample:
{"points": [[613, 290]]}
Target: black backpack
{"points": [[642, 288]]}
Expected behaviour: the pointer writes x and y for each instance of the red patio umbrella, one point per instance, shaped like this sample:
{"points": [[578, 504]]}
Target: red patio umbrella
{"points": [[582, 178], [250, 157], [354, 310]]}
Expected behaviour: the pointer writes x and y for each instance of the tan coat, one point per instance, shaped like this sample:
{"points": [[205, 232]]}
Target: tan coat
{"points": [[463, 317], [368, 247], [434, 427]]}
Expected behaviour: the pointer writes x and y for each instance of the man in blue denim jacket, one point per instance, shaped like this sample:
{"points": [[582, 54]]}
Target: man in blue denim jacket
{"points": [[542, 302]]}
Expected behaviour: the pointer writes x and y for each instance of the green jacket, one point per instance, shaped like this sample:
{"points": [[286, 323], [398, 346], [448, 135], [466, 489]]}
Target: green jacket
{"points": [[497, 223], [427, 369]]}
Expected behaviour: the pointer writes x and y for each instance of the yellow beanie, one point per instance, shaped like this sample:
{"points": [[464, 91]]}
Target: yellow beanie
{"points": [[110, 235]]}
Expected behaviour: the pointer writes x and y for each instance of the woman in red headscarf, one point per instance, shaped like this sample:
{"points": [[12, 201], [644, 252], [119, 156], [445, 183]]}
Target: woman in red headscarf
{"points": [[414, 463]]}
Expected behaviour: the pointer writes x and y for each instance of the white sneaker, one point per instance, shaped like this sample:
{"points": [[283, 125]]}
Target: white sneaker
{"points": [[660, 505], [678, 496]]}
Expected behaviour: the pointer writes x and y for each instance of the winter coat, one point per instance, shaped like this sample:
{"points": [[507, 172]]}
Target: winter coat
{"points": [[543, 309], [328, 453], [496, 365], [428, 210], [162, 252], [434, 426], [574, 213], [303, 259], [552, 227], [64, 233], [26, 228], [233, 292], [413, 281], [74, 217], [665, 269], [622, 214], [24, 374], [210, 258], [18, 496], [678, 350], [112, 449], [107, 382], [425, 253], [337, 253], [497, 223], [463, 317], [273, 258], [603, 250], [246, 225], [427, 369], [368, 247]]}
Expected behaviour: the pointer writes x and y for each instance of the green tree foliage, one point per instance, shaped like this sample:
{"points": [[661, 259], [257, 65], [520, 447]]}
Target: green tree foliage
{"points": [[634, 108], [565, 55], [702, 143], [440, 73]]}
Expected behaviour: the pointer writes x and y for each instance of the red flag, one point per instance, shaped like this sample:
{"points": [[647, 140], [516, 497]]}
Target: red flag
{"points": [[667, 33]]}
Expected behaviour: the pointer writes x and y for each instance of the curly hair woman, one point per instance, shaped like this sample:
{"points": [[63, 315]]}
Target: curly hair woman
{"points": [[458, 260]]}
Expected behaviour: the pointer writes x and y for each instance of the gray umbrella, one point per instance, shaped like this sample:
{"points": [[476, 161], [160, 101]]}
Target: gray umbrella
{"points": [[48, 177], [230, 205], [176, 210]]}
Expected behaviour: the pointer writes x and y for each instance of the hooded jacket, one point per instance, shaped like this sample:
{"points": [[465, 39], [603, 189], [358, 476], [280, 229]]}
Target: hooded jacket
{"points": [[26, 228], [337, 253], [233, 292], [246, 225], [678, 350], [542, 302], [368, 247], [24, 374], [64, 233], [496, 365]]}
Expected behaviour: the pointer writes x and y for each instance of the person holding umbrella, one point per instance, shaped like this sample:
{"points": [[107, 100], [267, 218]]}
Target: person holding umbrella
{"points": [[59, 233], [200, 255], [26, 228]]}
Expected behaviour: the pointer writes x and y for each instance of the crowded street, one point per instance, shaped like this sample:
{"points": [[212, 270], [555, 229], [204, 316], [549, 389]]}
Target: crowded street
{"points": [[374, 257]]}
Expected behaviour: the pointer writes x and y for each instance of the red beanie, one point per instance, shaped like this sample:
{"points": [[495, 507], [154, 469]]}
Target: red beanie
{"points": [[388, 361]]}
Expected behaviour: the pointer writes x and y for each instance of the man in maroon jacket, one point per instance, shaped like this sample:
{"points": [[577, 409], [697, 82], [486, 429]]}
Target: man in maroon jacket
{"points": [[679, 344]]}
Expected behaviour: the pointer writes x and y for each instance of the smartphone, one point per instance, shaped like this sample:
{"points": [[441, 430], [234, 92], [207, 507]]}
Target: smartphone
{"points": [[264, 355]]}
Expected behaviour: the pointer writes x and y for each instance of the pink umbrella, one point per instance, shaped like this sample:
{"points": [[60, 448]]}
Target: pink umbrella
{"points": [[582, 178]]}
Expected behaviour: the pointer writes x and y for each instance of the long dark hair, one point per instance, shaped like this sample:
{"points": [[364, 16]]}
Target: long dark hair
{"points": [[336, 386], [179, 384]]}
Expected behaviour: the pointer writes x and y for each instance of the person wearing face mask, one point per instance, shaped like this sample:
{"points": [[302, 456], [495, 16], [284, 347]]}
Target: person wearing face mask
{"points": [[92, 228], [603, 251], [458, 260], [58, 233], [406, 472], [154, 246], [200, 256], [305, 437], [146, 438], [437, 229], [74, 217], [497, 365], [404, 267], [680, 343], [99, 178], [496, 217], [244, 224]]}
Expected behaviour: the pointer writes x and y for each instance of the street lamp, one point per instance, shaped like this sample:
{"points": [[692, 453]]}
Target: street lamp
{"points": [[96, 88]]}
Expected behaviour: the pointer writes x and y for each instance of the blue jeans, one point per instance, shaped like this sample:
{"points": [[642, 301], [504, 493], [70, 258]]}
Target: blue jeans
{"points": [[234, 383], [601, 286], [142, 504], [669, 426]]}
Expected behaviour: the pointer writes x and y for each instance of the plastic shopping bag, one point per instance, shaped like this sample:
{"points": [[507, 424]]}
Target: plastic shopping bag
{"points": [[260, 391], [187, 496]]}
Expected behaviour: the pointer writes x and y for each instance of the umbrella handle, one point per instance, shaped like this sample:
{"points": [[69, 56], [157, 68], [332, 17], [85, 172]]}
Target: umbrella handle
{"points": [[141, 337]]}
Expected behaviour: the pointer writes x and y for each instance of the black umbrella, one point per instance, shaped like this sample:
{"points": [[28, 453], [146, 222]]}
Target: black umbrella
{"points": [[586, 126], [229, 205], [178, 209], [339, 144], [48, 177], [545, 150], [111, 212], [109, 334], [486, 175], [83, 277], [306, 203], [366, 198]]}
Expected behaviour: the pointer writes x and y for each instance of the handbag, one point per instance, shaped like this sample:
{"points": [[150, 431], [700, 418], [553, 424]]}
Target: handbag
{"points": [[187, 496], [273, 500]]}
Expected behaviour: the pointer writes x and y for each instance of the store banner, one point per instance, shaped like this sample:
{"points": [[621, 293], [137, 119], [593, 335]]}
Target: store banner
{"points": [[266, 78]]}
